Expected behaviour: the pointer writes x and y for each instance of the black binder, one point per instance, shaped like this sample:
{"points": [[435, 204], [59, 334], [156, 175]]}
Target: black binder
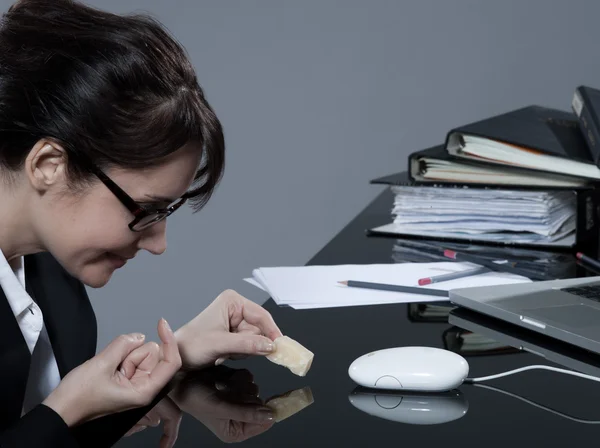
{"points": [[540, 130], [419, 165], [586, 105], [587, 234]]}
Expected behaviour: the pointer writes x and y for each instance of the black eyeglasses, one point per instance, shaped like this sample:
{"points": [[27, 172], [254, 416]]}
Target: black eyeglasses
{"points": [[144, 216]]}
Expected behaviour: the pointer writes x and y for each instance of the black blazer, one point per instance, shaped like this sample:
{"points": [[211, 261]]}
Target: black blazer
{"points": [[71, 325]]}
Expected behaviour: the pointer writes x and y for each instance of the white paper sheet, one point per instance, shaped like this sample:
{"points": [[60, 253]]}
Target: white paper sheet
{"points": [[306, 287]]}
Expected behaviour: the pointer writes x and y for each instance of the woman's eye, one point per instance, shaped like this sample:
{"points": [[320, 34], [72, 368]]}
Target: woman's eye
{"points": [[149, 205], [153, 205]]}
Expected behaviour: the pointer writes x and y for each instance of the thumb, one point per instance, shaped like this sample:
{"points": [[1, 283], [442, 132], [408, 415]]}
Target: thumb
{"points": [[246, 344], [120, 348]]}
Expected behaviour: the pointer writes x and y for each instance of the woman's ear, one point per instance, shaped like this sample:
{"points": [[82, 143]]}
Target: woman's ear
{"points": [[46, 165]]}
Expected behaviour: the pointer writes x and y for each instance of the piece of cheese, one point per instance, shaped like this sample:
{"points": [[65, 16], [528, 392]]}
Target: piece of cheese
{"points": [[286, 405], [291, 354]]}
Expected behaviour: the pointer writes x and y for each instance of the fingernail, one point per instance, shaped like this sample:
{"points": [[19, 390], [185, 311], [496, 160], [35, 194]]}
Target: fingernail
{"points": [[220, 386], [219, 361], [122, 371], [266, 347], [167, 326], [139, 336], [264, 415]]}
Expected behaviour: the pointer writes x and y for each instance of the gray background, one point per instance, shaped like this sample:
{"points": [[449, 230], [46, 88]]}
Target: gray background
{"points": [[319, 96]]}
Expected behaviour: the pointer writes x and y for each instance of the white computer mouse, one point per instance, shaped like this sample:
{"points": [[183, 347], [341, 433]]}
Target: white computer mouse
{"points": [[413, 408], [425, 369]]}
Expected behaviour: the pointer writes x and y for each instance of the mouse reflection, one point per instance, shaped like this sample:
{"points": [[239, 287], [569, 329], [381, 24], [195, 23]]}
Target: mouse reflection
{"points": [[226, 401], [410, 407]]}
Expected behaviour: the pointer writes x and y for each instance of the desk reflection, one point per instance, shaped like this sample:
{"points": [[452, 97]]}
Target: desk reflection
{"points": [[167, 412], [224, 400]]}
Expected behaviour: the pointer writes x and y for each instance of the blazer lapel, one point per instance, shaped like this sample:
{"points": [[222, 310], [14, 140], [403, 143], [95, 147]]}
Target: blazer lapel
{"points": [[68, 313], [15, 360]]}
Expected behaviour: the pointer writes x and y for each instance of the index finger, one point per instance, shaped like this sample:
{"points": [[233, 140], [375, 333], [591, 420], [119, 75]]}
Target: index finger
{"points": [[170, 362], [256, 315]]}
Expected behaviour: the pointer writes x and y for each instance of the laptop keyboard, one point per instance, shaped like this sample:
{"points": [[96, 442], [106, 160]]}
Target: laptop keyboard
{"points": [[589, 292]]}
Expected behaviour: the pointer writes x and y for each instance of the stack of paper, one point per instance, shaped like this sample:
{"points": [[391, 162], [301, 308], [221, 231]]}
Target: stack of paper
{"points": [[484, 214], [317, 286]]}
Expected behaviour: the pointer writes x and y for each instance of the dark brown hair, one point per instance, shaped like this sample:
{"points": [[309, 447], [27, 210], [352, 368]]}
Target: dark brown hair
{"points": [[115, 88]]}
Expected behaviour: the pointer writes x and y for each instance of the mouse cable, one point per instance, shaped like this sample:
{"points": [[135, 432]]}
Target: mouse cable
{"points": [[537, 405], [522, 369]]}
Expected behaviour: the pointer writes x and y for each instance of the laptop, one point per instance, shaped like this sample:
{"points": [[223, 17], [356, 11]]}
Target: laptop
{"points": [[551, 350], [566, 309]]}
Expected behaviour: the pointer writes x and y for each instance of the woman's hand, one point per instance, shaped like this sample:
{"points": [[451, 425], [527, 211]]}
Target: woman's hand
{"points": [[230, 326], [106, 384]]}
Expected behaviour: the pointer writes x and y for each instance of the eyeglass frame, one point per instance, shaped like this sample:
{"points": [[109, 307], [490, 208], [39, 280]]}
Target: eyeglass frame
{"points": [[139, 211]]}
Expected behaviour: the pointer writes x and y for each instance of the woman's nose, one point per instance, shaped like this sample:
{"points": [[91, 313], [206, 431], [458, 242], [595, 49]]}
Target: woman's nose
{"points": [[154, 238]]}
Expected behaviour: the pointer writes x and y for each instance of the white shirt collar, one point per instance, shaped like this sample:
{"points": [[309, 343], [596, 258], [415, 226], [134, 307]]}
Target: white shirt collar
{"points": [[18, 299]]}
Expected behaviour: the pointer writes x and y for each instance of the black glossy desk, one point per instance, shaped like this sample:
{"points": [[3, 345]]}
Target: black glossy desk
{"points": [[557, 414]]}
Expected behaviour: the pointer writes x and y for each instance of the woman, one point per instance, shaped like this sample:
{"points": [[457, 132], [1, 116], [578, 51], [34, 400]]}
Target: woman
{"points": [[104, 132]]}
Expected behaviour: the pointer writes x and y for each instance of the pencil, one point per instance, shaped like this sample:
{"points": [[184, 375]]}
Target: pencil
{"points": [[594, 264], [397, 288], [499, 267], [452, 276]]}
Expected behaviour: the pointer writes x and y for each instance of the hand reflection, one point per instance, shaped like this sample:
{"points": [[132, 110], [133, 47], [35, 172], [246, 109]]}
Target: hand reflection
{"points": [[226, 401], [170, 415]]}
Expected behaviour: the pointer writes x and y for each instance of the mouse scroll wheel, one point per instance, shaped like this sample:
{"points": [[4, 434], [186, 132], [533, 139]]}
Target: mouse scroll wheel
{"points": [[388, 382]]}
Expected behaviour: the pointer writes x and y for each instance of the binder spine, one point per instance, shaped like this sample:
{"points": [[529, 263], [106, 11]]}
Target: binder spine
{"points": [[414, 167], [588, 220], [588, 123]]}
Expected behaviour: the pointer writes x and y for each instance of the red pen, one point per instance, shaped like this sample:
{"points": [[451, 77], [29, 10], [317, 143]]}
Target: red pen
{"points": [[589, 261], [500, 267], [452, 276]]}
